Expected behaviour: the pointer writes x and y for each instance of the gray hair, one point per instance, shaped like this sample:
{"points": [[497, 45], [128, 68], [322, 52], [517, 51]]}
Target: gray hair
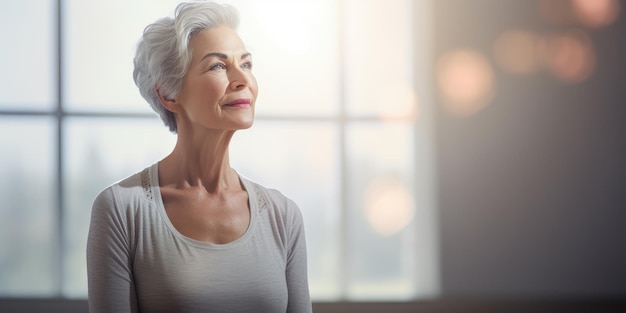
{"points": [[163, 56]]}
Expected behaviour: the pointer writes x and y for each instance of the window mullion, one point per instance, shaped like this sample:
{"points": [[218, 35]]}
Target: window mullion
{"points": [[59, 149], [344, 256]]}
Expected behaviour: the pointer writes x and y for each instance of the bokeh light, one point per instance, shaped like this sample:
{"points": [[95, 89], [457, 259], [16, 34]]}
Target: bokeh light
{"points": [[588, 13], [465, 80], [389, 205], [517, 52], [569, 56], [596, 13]]}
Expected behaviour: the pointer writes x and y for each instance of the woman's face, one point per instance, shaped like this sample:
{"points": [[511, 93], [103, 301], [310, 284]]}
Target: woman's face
{"points": [[219, 90]]}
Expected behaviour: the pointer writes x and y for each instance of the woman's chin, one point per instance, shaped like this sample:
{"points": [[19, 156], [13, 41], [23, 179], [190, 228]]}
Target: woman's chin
{"points": [[247, 125]]}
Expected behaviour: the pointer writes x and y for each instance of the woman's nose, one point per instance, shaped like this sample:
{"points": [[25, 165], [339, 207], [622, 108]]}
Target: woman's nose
{"points": [[239, 79]]}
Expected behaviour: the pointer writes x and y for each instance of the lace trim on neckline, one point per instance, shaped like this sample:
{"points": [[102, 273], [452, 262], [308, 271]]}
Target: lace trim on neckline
{"points": [[145, 183], [260, 198]]}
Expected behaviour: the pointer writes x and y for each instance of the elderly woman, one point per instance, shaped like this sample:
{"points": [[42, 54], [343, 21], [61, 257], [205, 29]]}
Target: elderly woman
{"points": [[188, 233]]}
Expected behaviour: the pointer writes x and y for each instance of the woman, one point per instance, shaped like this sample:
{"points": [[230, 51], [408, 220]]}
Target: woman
{"points": [[189, 234]]}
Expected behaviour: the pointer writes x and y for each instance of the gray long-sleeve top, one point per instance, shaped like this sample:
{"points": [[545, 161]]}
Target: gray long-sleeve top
{"points": [[138, 262]]}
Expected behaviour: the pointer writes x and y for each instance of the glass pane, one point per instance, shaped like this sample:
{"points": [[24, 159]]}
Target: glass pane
{"points": [[28, 56], [296, 55], [100, 151], [381, 242], [28, 217], [98, 59], [301, 160], [296, 66], [379, 59]]}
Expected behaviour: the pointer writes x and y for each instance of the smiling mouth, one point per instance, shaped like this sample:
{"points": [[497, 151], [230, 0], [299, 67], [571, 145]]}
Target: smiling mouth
{"points": [[239, 103]]}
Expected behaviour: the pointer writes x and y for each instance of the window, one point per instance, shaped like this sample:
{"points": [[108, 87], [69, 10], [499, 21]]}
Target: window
{"points": [[338, 129]]}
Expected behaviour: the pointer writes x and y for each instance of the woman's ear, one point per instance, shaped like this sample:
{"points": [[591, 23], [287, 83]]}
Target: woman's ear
{"points": [[169, 104]]}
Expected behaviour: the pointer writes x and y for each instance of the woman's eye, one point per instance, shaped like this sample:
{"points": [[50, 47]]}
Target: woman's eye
{"points": [[247, 65], [217, 66]]}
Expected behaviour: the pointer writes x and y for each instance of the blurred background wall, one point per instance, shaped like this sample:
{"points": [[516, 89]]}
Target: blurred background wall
{"points": [[531, 150], [532, 155]]}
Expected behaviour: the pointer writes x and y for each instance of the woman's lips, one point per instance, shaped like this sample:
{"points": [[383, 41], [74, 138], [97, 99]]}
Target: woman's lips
{"points": [[239, 103]]}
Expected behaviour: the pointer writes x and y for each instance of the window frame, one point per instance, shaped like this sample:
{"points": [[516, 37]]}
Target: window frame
{"points": [[424, 165]]}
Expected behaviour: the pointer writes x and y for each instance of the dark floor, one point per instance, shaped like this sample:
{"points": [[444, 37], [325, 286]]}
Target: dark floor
{"points": [[435, 306]]}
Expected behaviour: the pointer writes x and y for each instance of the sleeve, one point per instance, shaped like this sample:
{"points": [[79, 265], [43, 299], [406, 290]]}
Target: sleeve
{"points": [[110, 280], [299, 300]]}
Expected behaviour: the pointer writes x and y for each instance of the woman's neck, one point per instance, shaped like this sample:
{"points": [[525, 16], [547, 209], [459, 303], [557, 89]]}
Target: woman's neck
{"points": [[200, 161]]}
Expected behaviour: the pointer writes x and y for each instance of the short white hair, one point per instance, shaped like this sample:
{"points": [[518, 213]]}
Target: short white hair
{"points": [[163, 56]]}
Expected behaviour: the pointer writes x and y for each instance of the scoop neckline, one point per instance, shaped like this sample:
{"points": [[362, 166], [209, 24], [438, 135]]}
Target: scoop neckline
{"points": [[252, 206]]}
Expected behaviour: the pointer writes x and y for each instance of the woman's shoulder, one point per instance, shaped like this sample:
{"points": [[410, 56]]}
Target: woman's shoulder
{"points": [[267, 193], [133, 189], [273, 199]]}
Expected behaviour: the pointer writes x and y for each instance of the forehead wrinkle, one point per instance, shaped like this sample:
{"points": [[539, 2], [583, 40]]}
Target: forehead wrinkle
{"points": [[217, 42]]}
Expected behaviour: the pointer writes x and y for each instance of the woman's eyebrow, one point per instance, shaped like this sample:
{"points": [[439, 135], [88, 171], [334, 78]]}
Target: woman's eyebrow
{"points": [[214, 54], [224, 56]]}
